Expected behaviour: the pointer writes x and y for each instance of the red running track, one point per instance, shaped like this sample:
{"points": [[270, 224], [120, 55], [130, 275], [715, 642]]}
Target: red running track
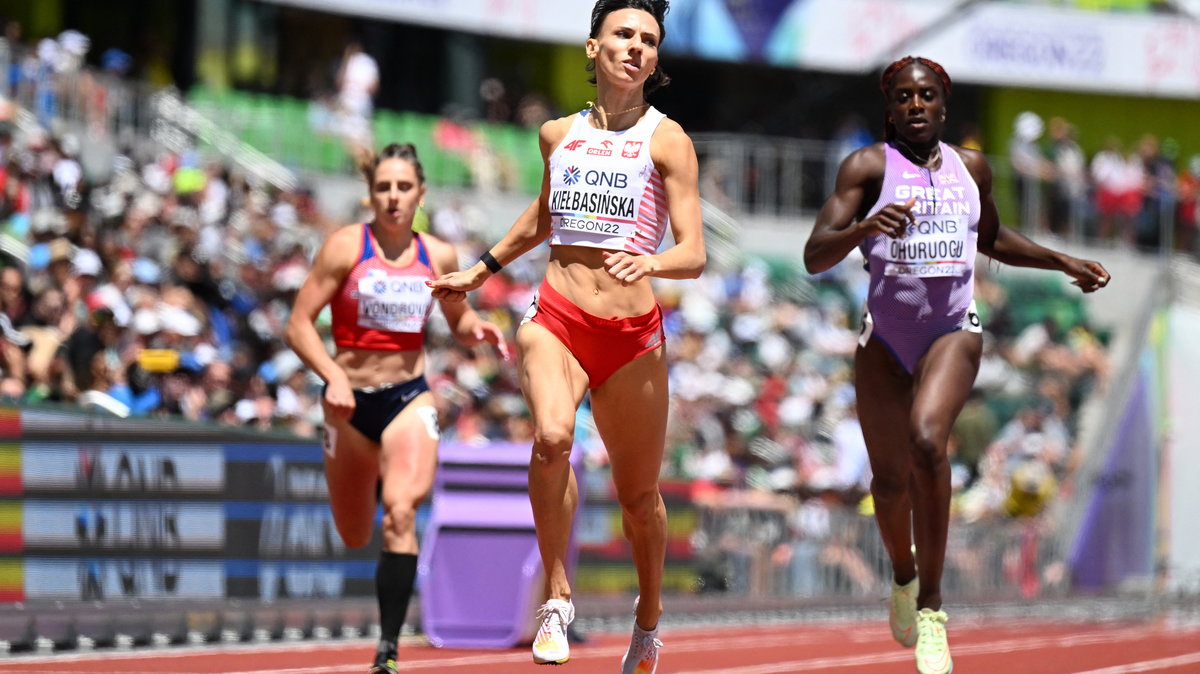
{"points": [[994, 646]]}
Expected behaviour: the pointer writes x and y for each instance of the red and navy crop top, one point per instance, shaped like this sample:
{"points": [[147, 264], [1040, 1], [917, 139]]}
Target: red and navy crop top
{"points": [[381, 306]]}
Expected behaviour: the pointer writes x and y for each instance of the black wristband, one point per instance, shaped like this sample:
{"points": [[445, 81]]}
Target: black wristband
{"points": [[490, 262]]}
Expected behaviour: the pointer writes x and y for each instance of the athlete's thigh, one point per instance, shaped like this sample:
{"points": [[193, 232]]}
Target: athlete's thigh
{"points": [[630, 409], [943, 380], [552, 379], [351, 469], [884, 393], [408, 452]]}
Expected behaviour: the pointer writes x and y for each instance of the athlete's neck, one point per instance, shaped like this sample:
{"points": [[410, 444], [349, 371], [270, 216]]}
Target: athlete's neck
{"points": [[618, 110], [926, 155], [393, 240]]}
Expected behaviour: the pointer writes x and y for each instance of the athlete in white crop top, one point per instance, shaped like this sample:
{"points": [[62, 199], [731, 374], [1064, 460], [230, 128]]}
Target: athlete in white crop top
{"points": [[614, 174]]}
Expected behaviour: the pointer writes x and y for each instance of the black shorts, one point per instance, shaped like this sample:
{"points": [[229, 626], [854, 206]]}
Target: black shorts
{"points": [[377, 406]]}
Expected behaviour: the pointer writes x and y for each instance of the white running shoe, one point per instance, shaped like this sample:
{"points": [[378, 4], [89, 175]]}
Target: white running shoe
{"points": [[933, 648], [903, 615], [642, 656], [550, 646]]}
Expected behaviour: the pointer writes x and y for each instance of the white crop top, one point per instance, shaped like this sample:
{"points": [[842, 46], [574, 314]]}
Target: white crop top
{"points": [[604, 189]]}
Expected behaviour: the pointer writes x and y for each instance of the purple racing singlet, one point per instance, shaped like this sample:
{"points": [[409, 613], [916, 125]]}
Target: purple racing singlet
{"points": [[922, 285]]}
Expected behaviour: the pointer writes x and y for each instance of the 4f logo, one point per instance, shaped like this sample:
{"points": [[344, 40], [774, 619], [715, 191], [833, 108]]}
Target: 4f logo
{"points": [[571, 175], [632, 149], [575, 145]]}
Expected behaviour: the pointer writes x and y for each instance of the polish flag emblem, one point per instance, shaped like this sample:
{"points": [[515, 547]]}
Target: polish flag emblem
{"points": [[632, 149]]}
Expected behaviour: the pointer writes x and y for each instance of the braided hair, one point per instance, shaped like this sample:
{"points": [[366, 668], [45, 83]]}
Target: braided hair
{"points": [[889, 74], [656, 8]]}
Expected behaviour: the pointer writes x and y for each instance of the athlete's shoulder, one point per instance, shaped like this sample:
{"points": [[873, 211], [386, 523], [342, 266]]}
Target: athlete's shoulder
{"points": [[975, 161], [441, 252], [341, 249], [669, 136], [554, 130], [345, 235], [868, 162]]}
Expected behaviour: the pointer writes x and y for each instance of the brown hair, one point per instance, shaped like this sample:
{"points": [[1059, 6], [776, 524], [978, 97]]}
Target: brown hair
{"points": [[405, 151]]}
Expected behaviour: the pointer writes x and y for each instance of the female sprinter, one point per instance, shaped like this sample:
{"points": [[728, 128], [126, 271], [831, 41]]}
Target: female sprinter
{"points": [[380, 422], [617, 175], [918, 208]]}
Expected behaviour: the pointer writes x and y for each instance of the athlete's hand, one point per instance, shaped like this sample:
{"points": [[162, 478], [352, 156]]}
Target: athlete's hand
{"points": [[891, 220], [492, 334], [628, 268], [1089, 275], [339, 399], [453, 287]]}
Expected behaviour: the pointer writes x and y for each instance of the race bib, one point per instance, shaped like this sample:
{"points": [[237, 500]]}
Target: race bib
{"points": [[597, 226], [394, 303], [935, 246]]}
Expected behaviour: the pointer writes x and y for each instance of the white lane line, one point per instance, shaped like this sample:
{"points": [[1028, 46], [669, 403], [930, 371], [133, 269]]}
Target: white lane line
{"points": [[984, 648], [1148, 665]]}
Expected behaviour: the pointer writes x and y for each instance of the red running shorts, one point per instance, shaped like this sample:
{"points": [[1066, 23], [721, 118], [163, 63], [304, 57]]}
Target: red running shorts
{"points": [[601, 345]]}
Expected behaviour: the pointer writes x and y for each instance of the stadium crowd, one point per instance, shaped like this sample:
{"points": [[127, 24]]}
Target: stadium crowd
{"points": [[157, 284]]}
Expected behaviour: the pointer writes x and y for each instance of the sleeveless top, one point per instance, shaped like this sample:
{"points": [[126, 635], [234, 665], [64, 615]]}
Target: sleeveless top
{"points": [[381, 306], [604, 189], [930, 272]]}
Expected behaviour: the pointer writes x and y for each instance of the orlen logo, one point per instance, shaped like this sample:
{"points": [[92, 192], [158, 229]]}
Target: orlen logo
{"points": [[606, 179], [571, 175], [574, 145], [604, 151]]}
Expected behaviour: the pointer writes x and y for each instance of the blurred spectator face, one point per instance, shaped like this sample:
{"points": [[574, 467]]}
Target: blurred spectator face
{"points": [[12, 286], [49, 306]]}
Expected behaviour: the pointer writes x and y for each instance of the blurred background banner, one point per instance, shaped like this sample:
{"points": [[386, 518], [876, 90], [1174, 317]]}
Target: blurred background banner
{"points": [[1060, 48], [545, 20]]}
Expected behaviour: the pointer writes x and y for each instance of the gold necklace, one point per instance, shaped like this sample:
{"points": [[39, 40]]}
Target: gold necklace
{"points": [[607, 115]]}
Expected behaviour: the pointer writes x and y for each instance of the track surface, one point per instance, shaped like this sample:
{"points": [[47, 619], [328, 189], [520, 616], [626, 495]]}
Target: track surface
{"points": [[992, 646]]}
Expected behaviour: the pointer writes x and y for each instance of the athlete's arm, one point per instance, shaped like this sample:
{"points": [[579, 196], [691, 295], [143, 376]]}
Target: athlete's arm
{"points": [[839, 227], [530, 229], [330, 269], [1009, 246], [675, 158], [467, 326]]}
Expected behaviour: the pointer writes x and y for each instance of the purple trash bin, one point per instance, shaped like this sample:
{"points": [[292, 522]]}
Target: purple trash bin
{"points": [[479, 571]]}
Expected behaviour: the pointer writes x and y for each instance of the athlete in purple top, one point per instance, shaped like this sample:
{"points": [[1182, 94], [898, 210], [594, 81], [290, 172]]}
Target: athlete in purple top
{"points": [[919, 209]]}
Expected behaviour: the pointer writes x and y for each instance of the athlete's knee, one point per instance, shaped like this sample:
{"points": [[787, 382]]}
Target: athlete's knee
{"points": [[552, 442], [641, 506], [399, 518], [354, 536], [929, 442], [888, 487]]}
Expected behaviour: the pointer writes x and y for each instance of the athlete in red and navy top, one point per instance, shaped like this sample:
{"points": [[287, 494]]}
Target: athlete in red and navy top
{"points": [[381, 427], [380, 305]]}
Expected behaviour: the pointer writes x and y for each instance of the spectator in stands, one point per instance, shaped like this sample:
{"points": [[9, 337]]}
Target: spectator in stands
{"points": [[380, 422], [357, 81], [594, 324], [1188, 220], [1031, 167], [1069, 189], [920, 346], [1158, 191], [1118, 181]]}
